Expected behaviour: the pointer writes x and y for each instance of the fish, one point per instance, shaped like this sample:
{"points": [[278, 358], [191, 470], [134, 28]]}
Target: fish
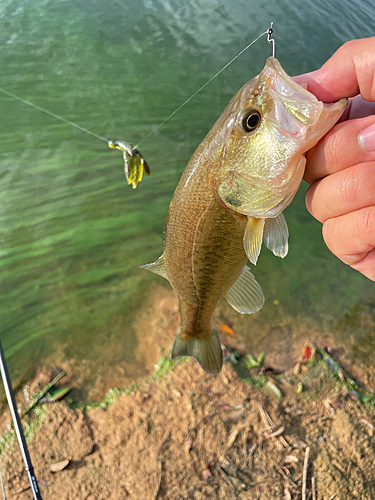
{"points": [[229, 201], [134, 162]]}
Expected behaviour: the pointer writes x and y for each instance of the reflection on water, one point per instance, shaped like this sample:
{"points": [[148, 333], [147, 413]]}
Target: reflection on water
{"points": [[73, 234]]}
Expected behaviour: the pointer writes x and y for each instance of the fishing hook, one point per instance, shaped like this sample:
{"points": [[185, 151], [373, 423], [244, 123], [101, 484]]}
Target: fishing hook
{"points": [[271, 40]]}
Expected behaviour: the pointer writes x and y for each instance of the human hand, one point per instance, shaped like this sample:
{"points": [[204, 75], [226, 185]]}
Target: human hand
{"points": [[341, 167]]}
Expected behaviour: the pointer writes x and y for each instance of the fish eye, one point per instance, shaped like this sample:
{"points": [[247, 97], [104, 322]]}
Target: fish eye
{"points": [[250, 120]]}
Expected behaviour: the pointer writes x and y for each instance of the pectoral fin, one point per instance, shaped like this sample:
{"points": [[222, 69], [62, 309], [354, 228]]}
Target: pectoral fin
{"points": [[253, 237], [246, 295], [276, 235], [157, 267]]}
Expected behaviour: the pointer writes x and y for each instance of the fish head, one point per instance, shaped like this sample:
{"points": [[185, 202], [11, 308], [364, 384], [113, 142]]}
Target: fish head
{"points": [[258, 145]]}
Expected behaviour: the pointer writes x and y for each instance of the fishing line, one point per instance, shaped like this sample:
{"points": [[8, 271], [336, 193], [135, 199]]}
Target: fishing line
{"points": [[54, 115], [205, 85], [69, 122]]}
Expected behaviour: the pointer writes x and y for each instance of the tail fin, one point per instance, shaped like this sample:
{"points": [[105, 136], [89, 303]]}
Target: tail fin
{"points": [[207, 351]]}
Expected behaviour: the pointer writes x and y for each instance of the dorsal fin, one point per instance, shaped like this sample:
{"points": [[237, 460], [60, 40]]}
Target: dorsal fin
{"points": [[276, 235], [157, 267], [246, 295]]}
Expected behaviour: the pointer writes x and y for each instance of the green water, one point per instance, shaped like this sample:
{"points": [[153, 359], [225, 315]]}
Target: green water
{"points": [[72, 232]]}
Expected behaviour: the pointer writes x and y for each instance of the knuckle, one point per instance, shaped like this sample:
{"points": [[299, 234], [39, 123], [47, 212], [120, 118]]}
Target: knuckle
{"points": [[346, 49], [350, 187], [333, 149], [347, 46], [366, 222]]}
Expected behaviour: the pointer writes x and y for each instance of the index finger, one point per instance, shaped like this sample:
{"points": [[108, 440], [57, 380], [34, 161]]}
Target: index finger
{"points": [[350, 71], [339, 149]]}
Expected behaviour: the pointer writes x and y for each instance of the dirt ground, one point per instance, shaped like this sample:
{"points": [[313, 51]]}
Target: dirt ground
{"points": [[189, 435]]}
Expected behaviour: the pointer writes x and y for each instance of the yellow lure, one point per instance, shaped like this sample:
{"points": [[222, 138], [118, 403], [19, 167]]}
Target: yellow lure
{"points": [[135, 164]]}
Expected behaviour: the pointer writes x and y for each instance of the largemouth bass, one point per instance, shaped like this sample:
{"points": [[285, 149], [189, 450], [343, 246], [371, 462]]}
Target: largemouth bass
{"points": [[230, 199]]}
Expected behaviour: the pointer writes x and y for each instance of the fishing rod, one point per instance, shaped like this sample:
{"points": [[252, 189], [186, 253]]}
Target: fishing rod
{"points": [[17, 424]]}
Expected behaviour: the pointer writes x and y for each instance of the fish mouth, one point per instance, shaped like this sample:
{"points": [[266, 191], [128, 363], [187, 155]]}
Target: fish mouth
{"points": [[297, 114], [294, 108]]}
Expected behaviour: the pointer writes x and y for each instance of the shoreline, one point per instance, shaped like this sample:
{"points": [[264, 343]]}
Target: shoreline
{"points": [[182, 434], [272, 330]]}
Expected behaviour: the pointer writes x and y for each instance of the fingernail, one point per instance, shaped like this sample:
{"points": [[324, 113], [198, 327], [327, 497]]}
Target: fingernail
{"points": [[366, 138], [305, 77]]}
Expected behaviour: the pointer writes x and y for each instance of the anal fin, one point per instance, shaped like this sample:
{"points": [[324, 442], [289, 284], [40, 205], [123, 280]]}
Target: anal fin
{"points": [[276, 235], [252, 240], [157, 267], [246, 295]]}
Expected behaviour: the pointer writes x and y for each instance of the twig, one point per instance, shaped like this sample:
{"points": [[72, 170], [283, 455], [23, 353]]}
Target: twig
{"points": [[366, 422], [158, 481], [287, 494], [266, 418], [275, 433], [285, 477], [21, 490], [304, 477], [313, 488], [253, 448], [164, 440], [223, 476], [204, 419], [244, 441], [270, 423], [230, 443], [237, 478], [261, 464], [349, 468]]}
